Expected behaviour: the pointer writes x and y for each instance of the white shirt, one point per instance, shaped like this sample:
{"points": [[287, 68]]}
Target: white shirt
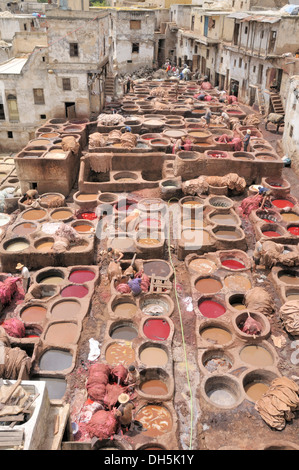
{"points": [[25, 273]]}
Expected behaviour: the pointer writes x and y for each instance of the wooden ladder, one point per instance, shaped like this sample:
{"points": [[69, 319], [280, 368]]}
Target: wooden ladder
{"points": [[276, 103]]}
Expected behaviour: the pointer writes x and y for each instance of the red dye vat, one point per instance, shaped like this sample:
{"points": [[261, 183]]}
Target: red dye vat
{"points": [[81, 275], [233, 264], [87, 216], [271, 233], [156, 329], [211, 309], [74, 291], [217, 155], [282, 203], [294, 230]]}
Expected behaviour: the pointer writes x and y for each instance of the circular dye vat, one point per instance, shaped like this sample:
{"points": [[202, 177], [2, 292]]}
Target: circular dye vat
{"points": [[156, 329], [24, 229], [153, 224], [49, 199], [125, 332], [192, 203], [125, 308], [289, 278], [120, 353], [216, 335], [159, 268], [87, 197], [211, 309], [217, 362], [80, 276], [195, 237], [83, 228], [155, 419], [65, 310], [4, 220], [294, 231], [44, 246], [153, 306], [202, 265], [223, 219], [271, 233], [34, 314], [238, 306], [15, 246], [289, 217], [256, 390], [256, 356], [282, 203], [154, 356], [148, 241], [56, 280], [292, 295], [87, 216], [231, 263], [62, 333], [208, 285], [227, 234], [61, 214], [122, 243], [237, 282], [34, 214], [154, 387], [55, 359], [222, 396], [74, 291]]}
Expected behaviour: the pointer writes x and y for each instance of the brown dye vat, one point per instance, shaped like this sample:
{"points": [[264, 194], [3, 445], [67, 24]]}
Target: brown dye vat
{"points": [[154, 387], [24, 229], [34, 214], [223, 219], [16, 246], [153, 356], [125, 332], [256, 356], [192, 203], [126, 308], [202, 265], [155, 419], [118, 353], [87, 197], [148, 241], [237, 282], [238, 306], [48, 199], [255, 390], [159, 268], [289, 279], [62, 333], [216, 335], [44, 246], [66, 310], [195, 237], [61, 215], [50, 135], [208, 285], [33, 314], [39, 142], [83, 228], [289, 217], [292, 296], [193, 223], [227, 234]]}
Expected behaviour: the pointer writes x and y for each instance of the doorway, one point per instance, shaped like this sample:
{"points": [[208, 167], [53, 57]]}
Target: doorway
{"points": [[70, 110]]}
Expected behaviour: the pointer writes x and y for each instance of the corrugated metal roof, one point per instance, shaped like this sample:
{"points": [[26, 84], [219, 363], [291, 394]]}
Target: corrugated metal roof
{"points": [[13, 66], [238, 15]]}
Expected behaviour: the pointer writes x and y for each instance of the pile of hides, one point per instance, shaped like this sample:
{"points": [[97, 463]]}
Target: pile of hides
{"points": [[8, 288], [259, 300], [12, 359], [100, 163], [124, 287], [206, 86], [289, 314], [270, 254], [159, 105], [250, 203], [65, 235], [97, 140], [5, 194], [110, 119], [70, 143], [103, 424], [99, 386], [200, 185], [278, 404], [159, 91], [14, 327], [251, 326], [233, 181], [126, 140], [56, 201], [251, 120]]}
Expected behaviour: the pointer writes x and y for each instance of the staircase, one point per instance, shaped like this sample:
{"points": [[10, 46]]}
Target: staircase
{"points": [[276, 103], [109, 85]]}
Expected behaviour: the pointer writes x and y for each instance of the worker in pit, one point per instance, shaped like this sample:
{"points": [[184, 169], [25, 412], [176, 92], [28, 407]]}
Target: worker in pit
{"points": [[114, 255], [246, 139], [25, 276]]}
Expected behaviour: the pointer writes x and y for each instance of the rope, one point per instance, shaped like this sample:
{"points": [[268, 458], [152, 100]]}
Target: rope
{"points": [[183, 336]]}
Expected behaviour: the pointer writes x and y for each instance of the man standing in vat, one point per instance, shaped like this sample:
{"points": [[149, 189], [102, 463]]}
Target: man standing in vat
{"points": [[247, 139], [25, 276]]}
